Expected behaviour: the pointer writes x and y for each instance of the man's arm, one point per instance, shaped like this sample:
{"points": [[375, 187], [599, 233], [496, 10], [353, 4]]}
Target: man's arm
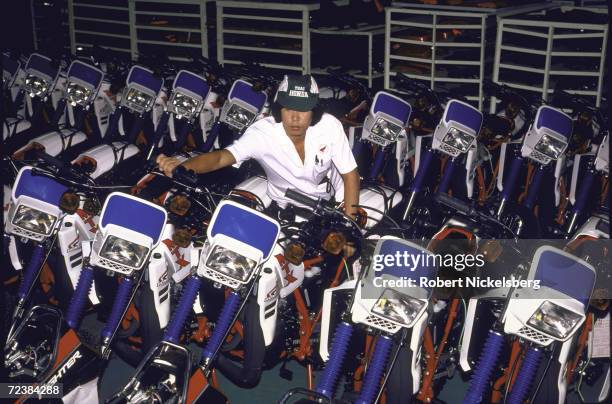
{"points": [[203, 163], [351, 192]]}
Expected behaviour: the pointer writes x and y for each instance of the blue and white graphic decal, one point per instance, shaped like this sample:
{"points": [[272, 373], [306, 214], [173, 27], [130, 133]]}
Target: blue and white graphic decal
{"points": [[565, 274], [135, 214], [456, 133], [86, 73], [42, 66], [463, 113], [188, 81], [245, 225], [554, 120], [387, 119], [37, 187], [243, 91], [145, 78]]}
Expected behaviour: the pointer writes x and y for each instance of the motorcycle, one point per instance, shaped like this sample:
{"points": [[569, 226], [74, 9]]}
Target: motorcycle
{"points": [[393, 314], [82, 87], [239, 240], [39, 84], [130, 229], [543, 148], [541, 321]]}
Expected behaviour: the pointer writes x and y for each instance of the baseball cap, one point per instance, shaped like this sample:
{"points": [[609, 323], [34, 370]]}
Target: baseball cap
{"points": [[299, 93]]}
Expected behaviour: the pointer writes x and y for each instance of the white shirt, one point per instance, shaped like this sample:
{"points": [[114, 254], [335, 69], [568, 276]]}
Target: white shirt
{"points": [[326, 149]]}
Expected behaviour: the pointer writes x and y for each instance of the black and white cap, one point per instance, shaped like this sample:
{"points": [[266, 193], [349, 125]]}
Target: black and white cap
{"points": [[299, 93]]}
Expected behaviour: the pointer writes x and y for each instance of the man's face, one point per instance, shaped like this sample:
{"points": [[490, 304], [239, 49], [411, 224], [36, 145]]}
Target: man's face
{"points": [[295, 123]]}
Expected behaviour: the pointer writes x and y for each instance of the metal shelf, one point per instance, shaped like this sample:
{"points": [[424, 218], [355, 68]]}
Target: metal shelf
{"points": [[443, 45], [99, 22], [373, 35], [276, 35], [561, 47], [132, 25], [46, 17]]}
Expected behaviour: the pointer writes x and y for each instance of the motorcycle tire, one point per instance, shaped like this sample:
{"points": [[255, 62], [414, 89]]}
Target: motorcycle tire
{"points": [[150, 328], [548, 391], [399, 387], [247, 373]]}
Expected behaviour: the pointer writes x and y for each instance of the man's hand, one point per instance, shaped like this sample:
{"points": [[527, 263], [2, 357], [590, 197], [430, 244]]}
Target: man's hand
{"points": [[167, 164], [351, 192]]}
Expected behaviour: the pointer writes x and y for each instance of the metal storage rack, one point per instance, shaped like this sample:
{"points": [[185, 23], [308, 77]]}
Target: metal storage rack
{"points": [[371, 35], [46, 16], [560, 52], [175, 26], [100, 22], [276, 35], [444, 45]]}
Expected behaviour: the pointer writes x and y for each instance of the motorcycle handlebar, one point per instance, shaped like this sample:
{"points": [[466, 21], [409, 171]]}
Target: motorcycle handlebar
{"points": [[61, 168], [187, 177], [454, 203], [301, 198]]}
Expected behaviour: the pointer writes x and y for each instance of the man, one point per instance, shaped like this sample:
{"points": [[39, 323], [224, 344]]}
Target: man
{"points": [[298, 146]]}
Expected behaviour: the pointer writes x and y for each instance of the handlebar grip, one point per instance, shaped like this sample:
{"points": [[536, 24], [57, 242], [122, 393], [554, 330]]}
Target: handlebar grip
{"points": [[62, 168], [187, 177], [301, 198], [453, 203]]}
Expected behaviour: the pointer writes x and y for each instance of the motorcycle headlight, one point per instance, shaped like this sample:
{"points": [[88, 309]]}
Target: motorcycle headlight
{"points": [[36, 86], [551, 147], [239, 116], [184, 106], [123, 252], [386, 129], [77, 94], [33, 220], [458, 139], [397, 307], [554, 320], [137, 100], [230, 263]]}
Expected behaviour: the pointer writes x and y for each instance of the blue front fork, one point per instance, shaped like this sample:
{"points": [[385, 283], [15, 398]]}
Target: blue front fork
{"points": [[509, 183], [485, 368], [534, 188], [419, 179], [379, 161], [212, 136], [79, 297], [224, 322], [525, 376], [376, 369], [447, 177], [185, 305], [30, 274], [582, 198], [122, 299], [340, 344]]}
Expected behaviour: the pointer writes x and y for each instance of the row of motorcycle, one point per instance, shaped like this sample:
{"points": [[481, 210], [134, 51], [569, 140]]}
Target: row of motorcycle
{"points": [[188, 276]]}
